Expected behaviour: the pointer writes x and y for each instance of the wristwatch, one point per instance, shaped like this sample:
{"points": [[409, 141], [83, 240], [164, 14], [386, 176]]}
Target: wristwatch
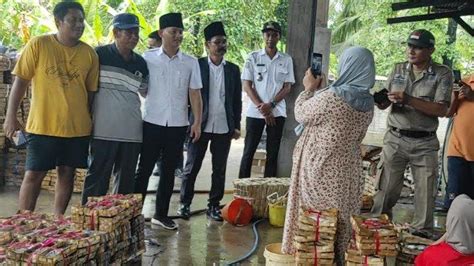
{"points": [[273, 104]]}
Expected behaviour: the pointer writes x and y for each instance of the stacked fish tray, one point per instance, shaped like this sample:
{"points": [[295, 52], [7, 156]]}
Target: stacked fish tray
{"points": [[369, 190], [367, 202], [13, 160], [353, 258], [120, 217], [410, 247], [370, 158], [4, 89], [315, 237], [49, 181], [28, 238], [257, 190], [374, 239], [5, 86], [13, 166], [258, 162]]}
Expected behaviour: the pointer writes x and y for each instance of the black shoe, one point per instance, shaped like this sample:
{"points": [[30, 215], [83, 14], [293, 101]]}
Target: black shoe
{"points": [[164, 222], [184, 211], [214, 213]]}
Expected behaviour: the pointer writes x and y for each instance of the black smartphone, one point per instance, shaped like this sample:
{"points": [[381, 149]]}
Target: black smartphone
{"points": [[316, 64], [381, 97], [457, 76]]}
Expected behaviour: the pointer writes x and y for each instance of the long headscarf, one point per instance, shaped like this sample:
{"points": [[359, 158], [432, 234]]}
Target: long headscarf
{"points": [[356, 78], [460, 225]]}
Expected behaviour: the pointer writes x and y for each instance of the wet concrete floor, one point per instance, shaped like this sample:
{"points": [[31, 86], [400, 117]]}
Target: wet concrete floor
{"points": [[198, 241]]}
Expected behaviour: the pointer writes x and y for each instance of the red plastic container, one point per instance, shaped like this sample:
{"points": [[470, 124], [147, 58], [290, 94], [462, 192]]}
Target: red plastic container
{"points": [[237, 212]]}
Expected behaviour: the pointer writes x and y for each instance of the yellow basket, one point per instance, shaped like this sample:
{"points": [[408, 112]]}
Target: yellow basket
{"points": [[276, 213]]}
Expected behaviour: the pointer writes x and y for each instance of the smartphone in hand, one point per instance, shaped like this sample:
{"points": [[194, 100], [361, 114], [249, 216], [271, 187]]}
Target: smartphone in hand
{"points": [[381, 97], [457, 80], [19, 139], [316, 64], [457, 76]]}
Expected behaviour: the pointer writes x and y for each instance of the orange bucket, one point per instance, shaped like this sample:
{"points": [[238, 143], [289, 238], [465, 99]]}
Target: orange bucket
{"points": [[237, 212]]}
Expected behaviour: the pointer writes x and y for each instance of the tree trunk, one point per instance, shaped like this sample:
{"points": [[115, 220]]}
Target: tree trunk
{"points": [[451, 32]]}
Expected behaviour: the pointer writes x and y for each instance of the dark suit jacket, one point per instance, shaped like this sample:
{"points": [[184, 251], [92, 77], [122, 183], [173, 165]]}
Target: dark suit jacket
{"points": [[233, 94]]}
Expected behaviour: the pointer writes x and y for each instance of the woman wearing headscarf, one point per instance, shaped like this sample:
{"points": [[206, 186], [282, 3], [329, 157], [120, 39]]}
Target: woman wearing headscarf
{"points": [[456, 246], [326, 160]]}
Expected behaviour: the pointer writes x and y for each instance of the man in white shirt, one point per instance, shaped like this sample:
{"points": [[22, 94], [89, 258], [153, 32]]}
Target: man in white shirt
{"points": [[174, 76], [222, 107], [267, 78]]}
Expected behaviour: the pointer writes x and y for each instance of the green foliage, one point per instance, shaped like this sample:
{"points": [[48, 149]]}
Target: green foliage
{"points": [[364, 23], [361, 22], [243, 20]]}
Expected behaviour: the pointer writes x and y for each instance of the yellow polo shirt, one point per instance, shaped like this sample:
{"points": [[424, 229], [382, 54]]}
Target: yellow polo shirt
{"points": [[60, 76]]}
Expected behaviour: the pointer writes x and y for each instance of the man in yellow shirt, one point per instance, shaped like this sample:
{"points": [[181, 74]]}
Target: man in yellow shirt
{"points": [[63, 72]]}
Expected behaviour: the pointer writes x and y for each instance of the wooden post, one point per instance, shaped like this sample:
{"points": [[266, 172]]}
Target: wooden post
{"points": [[303, 18]]}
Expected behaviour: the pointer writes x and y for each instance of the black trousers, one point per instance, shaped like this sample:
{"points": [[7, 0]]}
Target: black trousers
{"points": [[169, 142], [110, 157], [180, 161], [254, 129], [220, 147]]}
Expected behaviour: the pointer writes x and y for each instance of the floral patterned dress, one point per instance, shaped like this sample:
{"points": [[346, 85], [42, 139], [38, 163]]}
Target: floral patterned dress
{"points": [[327, 164]]}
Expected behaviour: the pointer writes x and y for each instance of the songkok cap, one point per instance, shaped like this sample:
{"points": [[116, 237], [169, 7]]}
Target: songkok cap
{"points": [[171, 20], [214, 29]]}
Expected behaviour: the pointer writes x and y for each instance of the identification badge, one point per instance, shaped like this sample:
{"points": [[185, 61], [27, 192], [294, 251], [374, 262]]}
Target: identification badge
{"points": [[260, 69]]}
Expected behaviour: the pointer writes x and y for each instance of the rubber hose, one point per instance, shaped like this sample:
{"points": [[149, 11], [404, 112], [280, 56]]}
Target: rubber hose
{"points": [[195, 212], [254, 247], [195, 191]]}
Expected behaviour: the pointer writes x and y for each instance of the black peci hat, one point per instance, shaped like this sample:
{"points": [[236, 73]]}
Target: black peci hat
{"points": [[214, 29], [154, 35], [171, 20]]}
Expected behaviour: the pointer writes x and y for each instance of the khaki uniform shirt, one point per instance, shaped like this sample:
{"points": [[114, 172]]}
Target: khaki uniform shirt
{"points": [[434, 85]]}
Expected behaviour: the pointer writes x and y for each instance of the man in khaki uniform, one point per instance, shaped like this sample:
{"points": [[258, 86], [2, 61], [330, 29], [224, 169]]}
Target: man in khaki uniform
{"points": [[419, 93]]}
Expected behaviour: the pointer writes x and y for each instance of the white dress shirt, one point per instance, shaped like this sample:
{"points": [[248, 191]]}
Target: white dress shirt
{"points": [[268, 77], [217, 119], [166, 103]]}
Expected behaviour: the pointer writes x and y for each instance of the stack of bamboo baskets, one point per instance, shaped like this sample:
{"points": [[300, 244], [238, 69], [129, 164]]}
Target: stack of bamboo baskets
{"points": [[120, 217], [28, 238], [49, 181], [410, 247], [258, 162], [257, 190], [374, 239], [13, 165], [315, 237]]}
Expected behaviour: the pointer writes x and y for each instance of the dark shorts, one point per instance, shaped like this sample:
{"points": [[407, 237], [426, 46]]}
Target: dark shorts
{"points": [[44, 153]]}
